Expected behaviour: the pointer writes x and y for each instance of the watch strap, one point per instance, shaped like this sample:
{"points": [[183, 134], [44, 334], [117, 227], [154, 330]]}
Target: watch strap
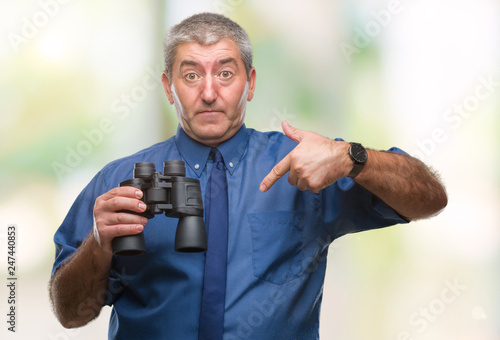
{"points": [[356, 169]]}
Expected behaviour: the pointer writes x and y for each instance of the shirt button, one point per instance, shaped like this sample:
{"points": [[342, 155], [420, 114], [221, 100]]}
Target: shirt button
{"points": [[196, 166], [231, 164]]}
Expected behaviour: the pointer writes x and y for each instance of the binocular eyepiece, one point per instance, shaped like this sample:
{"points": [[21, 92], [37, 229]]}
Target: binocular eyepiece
{"points": [[173, 194]]}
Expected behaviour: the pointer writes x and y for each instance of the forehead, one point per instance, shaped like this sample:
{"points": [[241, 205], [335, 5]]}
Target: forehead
{"points": [[203, 54]]}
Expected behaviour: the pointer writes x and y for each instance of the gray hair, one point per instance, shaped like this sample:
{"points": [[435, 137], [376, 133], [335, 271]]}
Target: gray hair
{"points": [[206, 29]]}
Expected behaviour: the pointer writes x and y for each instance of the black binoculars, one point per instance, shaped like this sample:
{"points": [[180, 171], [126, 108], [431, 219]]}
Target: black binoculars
{"points": [[173, 194]]}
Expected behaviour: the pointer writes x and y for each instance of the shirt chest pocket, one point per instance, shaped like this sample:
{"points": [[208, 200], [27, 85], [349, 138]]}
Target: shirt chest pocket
{"points": [[277, 245]]}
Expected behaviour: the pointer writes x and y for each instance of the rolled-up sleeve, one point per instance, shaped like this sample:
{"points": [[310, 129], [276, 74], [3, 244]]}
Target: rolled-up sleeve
{"points": [[349, 208]]}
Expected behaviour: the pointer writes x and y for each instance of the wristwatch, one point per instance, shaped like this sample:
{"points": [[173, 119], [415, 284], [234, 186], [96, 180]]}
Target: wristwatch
{"points": [[359, 156]]}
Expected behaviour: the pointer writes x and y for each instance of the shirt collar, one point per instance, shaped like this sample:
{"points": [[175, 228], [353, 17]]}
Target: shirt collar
{"points": [[196, 154]]}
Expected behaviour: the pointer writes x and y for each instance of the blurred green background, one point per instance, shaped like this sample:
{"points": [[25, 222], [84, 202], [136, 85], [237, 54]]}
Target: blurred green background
{"points": [[80, 87]]}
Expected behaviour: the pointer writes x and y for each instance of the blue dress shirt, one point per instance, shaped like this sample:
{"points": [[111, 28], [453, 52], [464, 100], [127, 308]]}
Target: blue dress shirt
{"points": [[277, 245]]}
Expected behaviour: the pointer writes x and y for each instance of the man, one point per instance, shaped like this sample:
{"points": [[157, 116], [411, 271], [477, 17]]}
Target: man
{"points": [[278, 231]]}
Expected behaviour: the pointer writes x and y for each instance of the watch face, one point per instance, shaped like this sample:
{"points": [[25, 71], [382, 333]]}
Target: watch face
{"points": [[358, 153]]}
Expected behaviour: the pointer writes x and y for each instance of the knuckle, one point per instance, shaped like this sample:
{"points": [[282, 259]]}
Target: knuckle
{"points": [[276, 171], [314, 188], [117, 203], [301, 186], [300, 173], [112, 204], [97, 211], [315, 185], [300, 167], [313, 182], [98, 203], [99, 221], [119, 218], [118, 230], [124, 229]]}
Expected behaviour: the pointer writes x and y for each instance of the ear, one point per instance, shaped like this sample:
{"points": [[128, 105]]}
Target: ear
{"points": [[166, 87], [251, 83]]}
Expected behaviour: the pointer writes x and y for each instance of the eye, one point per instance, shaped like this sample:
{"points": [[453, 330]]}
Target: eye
{"points": [[226, 74], [191, 76]]}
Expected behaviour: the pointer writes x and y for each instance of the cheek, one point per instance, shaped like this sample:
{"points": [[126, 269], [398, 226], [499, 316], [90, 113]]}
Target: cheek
{"points": [[234, 98], [188, 99]]}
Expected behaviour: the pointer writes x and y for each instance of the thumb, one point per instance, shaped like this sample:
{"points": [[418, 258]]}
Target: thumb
{"points": [[292, 133]]}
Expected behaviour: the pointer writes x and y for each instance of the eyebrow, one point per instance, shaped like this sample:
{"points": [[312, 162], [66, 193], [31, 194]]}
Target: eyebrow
{"points": [[188, 63], [228, 60]]}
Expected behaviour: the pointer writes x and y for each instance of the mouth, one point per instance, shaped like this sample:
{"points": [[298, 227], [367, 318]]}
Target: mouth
{"points": [[209, 112]]}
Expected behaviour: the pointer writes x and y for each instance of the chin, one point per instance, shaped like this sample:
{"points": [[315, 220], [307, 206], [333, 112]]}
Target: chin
{"points": [[209, 132], [212, 135]]}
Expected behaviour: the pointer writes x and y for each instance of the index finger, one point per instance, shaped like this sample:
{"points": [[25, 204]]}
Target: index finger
{"points": [[125, 191], [276, 173]]}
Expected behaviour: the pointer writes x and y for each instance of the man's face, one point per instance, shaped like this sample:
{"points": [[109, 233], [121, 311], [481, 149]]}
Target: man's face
{"points": [[210, 90]]}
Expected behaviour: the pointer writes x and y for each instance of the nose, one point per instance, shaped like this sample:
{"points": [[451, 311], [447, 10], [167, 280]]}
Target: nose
{"points": [[209, 91]]}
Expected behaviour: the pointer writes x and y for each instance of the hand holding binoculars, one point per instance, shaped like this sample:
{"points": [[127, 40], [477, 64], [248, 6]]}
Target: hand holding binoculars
{"points": [[173, 194]]}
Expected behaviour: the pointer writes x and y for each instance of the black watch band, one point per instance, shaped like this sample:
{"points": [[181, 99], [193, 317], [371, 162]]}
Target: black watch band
{"points": [[359, 156]]}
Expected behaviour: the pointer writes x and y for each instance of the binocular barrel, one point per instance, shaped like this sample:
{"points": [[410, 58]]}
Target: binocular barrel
{"points": [[174, 168], [173, 194]]}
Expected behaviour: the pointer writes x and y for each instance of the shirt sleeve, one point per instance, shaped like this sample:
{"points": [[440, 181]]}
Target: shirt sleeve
{"points": [[349, 208], [78, 222]]}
